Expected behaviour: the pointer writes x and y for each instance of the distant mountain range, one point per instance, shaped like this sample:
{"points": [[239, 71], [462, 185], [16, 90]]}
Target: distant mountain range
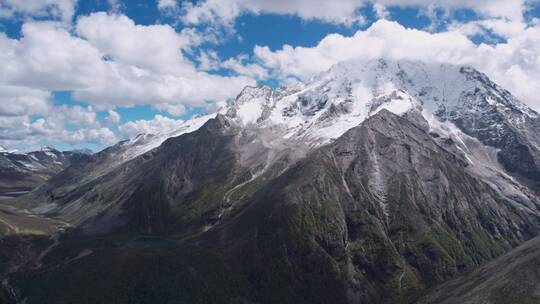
{"points": [[372, 183], [25, 171]]}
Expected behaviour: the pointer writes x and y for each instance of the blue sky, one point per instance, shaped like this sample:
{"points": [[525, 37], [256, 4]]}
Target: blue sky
{"points": [[90, 73]]}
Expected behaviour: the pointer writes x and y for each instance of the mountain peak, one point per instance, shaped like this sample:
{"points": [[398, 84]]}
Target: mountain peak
{"points": [[46, 148]]}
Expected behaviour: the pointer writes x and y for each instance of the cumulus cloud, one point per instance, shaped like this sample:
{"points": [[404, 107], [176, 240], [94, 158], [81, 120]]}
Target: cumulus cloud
{"points": [[16, 101], [102, 136], [511, 9], [167, 4], [54, 124], [158, 125], [112, 62], [58, 9], [241, 65], [106, 61], [53, 127], [382, 39], [515, 64], [113, 118], [74, 115], [224, 12], [502, 28], [152, 47]]}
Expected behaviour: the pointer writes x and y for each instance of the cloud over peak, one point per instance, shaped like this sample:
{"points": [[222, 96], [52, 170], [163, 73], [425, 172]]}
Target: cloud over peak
{"points": [[515, 64], [193, 55]]}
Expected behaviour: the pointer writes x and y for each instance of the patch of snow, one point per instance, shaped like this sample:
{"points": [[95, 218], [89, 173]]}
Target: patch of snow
{"points": [[143, 143], [28, 165], [249, 112], [484, 163], [398, 103]]}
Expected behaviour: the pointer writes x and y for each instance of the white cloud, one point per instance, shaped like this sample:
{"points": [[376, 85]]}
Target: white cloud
{"points": [[11, 128], [58, 9], [500, 27], [382, 39], [208, 60], [48, 57], [73, 115], [512, 9], [112, 63], [113, 118], [167, 4], [381, 11], [52, 127], [241, 66], [158, 125], [224, 12], [153, 47], [514, 64], [102, 136], [16, 101], [116, 5]]}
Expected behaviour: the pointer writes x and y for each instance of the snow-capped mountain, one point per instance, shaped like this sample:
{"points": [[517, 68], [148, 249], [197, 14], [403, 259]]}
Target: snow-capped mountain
{"points": [[456, 102], [343, 97], [494, 131], [460, 107], [488, 127], [24, 171], [142, 143]]}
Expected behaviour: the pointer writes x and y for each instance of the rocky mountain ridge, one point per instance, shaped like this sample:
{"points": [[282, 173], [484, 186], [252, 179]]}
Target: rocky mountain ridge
{"points": [[25, 171]]}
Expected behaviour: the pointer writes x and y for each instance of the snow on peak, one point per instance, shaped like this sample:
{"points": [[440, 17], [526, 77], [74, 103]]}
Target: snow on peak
{"points": [[342, 97], [322, 109], [47, 149], [397, 102], [251, 103], [143, 143]]}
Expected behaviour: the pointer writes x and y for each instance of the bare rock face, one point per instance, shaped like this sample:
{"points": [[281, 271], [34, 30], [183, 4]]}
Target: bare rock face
{"points": [[495, 117], [384, 210]]}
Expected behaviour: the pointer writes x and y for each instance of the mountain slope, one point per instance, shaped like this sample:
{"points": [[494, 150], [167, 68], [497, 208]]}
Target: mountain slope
{"points": [[384, 209], [188, 180], [24, 172], [511, 278], [380, 214]]}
